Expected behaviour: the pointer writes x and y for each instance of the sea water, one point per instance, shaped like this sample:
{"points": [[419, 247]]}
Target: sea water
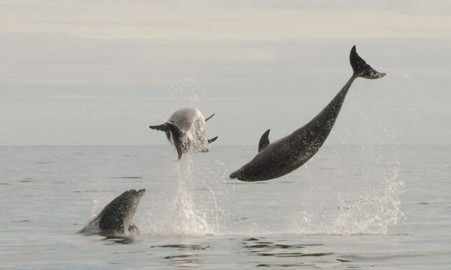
{"points": [[350, 207]]}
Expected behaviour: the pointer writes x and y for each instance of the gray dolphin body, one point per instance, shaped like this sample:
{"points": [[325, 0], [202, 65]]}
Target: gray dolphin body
{"points": [[289, 153], [185, 129], [117, 217]]}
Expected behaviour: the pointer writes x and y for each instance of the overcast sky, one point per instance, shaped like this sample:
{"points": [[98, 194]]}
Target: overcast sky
{"points": [[99, 72]]}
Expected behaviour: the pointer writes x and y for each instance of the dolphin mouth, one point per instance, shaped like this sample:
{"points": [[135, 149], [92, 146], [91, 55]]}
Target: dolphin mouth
{"points": [[141, 192], [237, 175], [242, 176]]}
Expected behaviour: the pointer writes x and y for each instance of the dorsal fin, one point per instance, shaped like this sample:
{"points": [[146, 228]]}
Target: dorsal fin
{"points": [[212, 139], [264, 141], [208, 118], [176, 137]]}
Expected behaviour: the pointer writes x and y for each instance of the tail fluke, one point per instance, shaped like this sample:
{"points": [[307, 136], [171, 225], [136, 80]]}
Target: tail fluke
{"points": [[172, 131], [161, 127], [361, 68]]}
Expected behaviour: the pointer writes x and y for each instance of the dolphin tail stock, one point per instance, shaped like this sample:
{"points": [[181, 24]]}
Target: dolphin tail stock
{"points": [[176, 137], [212, 139], [208, 118], [264, 140], [361, 68]]}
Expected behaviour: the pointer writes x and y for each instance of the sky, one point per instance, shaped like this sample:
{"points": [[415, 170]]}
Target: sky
{"points": [[100, 72]]}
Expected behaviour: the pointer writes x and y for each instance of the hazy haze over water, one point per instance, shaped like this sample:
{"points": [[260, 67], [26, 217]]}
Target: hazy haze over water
{"points": [[99, 73]]}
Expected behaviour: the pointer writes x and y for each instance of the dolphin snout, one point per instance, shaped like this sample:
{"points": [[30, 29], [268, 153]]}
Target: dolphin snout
{"points": [[236, 175]]}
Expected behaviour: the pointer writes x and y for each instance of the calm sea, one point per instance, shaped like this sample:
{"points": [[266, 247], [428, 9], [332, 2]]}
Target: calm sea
{"points": [[350, 207]]}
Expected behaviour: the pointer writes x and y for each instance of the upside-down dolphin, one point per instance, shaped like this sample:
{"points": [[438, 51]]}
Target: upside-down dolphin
{"points": [[289, 153], [185, 129], [116, 218]]}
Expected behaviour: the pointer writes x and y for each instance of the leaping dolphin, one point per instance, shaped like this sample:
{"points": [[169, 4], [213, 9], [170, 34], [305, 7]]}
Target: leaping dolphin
{"points": [[185, 129], [116, 218], [289, 153]]}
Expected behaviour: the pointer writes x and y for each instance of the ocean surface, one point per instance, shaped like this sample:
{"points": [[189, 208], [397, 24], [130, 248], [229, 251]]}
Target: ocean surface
{"points": [[350, 207]]}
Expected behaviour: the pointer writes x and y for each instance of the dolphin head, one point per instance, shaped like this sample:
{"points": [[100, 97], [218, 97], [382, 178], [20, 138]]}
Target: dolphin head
{"points": [[130, 199], [236, 175], [119, 213], [243, 174], [265, 165]]}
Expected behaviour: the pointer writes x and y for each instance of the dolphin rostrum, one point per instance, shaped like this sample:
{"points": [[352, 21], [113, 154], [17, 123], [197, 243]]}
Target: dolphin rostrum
{"points": [[289, 153]]}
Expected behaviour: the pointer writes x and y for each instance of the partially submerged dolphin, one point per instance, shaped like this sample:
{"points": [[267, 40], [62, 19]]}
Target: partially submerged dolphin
{"points": [[289, 153], [185, 129], [116, 218]]}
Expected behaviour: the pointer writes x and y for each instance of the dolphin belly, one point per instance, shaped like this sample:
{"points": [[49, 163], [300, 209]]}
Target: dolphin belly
{"points": [[276, 160]]}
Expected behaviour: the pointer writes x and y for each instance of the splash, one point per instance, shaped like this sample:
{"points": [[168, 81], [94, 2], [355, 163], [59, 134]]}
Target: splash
{"points": [[369, 205], [189, 218], [187, 210], [372, 214], [349, 190]]}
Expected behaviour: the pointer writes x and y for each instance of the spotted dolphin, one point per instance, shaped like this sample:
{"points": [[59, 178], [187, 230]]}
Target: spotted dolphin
{"points": [[289, 153], [185, 129], [116, 218]]}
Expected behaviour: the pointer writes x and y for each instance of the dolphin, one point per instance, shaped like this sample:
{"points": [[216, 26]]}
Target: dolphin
{"points": [[289, 153], [116, 218], [185, 129]]}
